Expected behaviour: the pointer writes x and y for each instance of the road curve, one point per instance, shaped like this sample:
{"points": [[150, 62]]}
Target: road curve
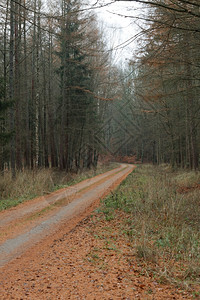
{"points": [[24, 226]]}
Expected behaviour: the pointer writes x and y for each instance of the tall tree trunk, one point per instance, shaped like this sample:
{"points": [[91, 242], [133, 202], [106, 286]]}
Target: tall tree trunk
{"points": [[37, 88], [190, 102], [11, 88], [3, 122], [53, 152], [18, 83], [27, 150]]}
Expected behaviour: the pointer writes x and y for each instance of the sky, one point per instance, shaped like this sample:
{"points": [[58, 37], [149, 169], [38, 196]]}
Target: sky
{"points": [[119, 31]]}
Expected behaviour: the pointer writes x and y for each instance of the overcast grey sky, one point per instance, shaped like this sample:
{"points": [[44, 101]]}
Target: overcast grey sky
{"points": [[119, 31]]}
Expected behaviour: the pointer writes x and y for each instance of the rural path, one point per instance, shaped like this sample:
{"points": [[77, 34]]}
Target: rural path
{"points": [[29, 223], [58, 247]]}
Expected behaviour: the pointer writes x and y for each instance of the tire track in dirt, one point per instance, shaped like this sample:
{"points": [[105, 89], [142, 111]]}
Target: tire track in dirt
{"points": [[37, 204], [27, 214], [84, 195]]}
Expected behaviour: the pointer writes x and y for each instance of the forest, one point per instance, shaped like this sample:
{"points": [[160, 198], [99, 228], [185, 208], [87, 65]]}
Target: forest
{"points": [[64, 103]]}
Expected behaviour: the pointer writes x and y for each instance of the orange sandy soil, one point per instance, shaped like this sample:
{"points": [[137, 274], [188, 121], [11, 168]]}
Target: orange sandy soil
{"points": [[39, 208], [92, 260]]}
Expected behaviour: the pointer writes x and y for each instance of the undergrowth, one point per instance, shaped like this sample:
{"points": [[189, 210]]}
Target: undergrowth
{"points": [[162, 221], [32, 183]]}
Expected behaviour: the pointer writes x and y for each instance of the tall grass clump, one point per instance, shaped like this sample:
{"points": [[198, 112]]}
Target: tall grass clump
{"points": [[163, 219], [32, 183], [27, 185]]}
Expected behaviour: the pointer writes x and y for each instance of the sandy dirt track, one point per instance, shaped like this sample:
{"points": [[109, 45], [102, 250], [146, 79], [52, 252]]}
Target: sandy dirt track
{"points": [[60, 247], [29, 223]]}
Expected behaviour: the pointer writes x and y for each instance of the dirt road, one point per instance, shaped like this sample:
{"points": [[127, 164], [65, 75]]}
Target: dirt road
{"points": [[31, 222], [53, 248]]}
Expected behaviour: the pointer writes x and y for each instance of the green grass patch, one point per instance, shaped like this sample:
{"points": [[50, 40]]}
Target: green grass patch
{"points": [[161, 223]]}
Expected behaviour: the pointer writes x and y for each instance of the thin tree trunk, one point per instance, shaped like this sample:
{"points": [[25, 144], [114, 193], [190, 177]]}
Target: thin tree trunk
{"points": [[27, 149], [192, 134], [11, 88], [18, 83]]}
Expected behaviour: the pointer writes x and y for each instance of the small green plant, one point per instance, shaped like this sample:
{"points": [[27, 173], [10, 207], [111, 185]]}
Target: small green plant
{"points": [[109, 245], [93, 256], [196, 295]]}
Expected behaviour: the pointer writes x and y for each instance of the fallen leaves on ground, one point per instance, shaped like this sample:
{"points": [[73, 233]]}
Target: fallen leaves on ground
{"points": [[93, 261]]}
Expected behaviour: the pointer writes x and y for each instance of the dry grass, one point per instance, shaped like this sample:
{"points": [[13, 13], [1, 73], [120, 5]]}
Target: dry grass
{"points": [[162, 223], [31, 183]]}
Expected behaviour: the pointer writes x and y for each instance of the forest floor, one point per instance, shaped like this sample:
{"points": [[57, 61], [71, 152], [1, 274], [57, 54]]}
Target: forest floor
{"points": [[89, 256]]}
